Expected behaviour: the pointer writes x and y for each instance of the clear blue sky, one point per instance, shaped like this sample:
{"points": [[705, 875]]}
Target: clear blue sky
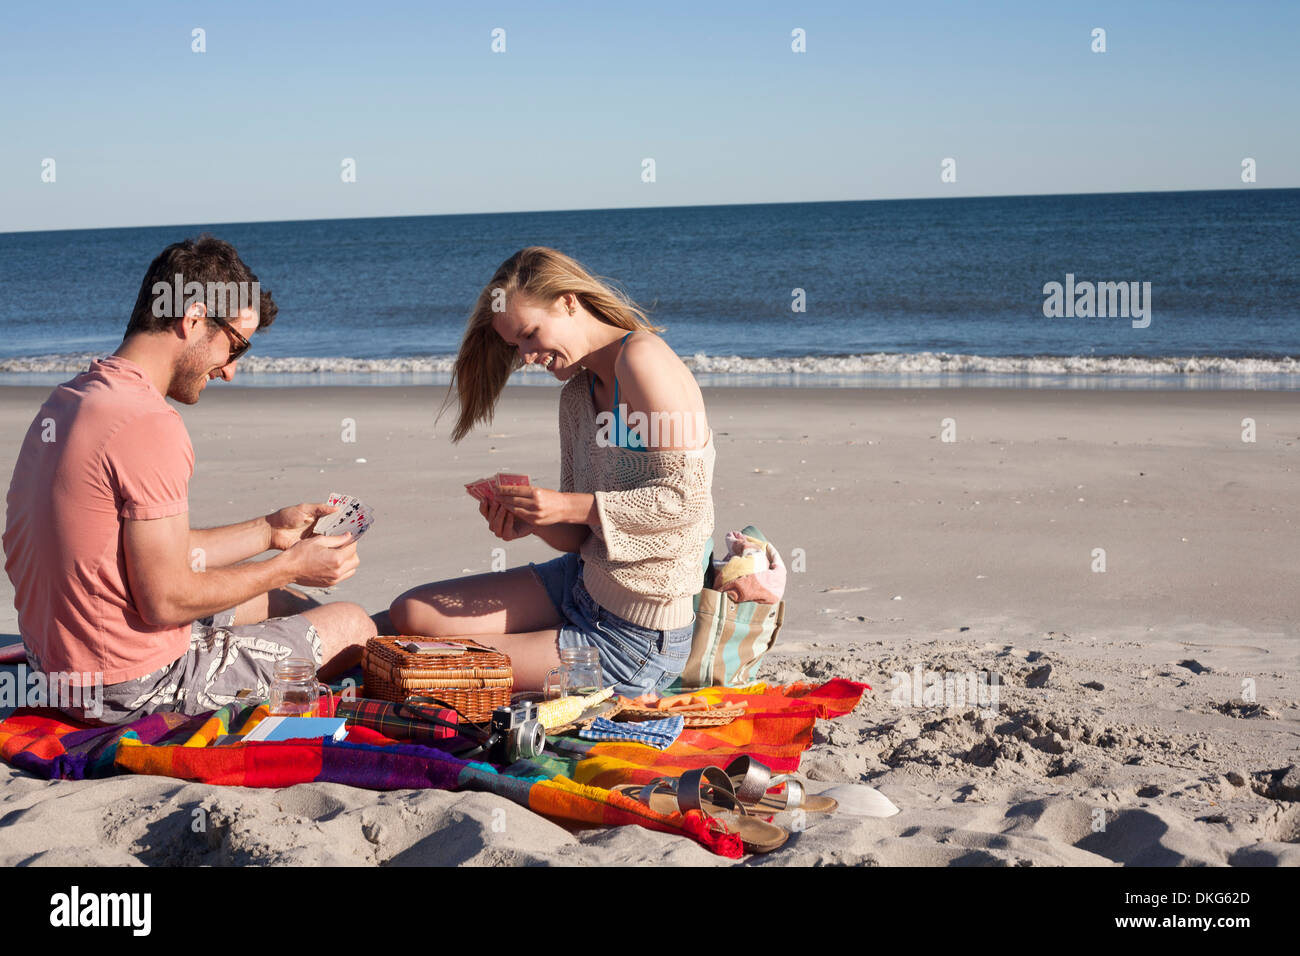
{"points": [[145, 132]]}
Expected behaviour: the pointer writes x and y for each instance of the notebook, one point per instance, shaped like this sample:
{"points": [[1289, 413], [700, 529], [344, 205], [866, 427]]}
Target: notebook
{"points": [[297, 728]]}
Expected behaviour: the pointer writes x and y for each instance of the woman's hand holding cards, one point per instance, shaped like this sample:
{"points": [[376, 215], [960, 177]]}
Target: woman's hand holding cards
{"points": [[541, 506], [514, 508], [502, 523]]}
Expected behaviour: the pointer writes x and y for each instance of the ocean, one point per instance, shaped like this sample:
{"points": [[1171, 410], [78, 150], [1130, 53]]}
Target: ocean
{"points": [[936, 292]]}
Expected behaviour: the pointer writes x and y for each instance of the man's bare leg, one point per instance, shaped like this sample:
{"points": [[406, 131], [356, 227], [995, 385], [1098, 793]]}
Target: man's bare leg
{"points": [[344, 629]]}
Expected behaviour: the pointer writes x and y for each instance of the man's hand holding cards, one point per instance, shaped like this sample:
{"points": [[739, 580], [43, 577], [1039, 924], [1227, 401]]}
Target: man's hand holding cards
{"points": [[351, 516], [328, 554]]}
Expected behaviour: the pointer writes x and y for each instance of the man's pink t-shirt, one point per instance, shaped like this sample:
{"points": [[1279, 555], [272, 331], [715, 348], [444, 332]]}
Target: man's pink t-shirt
{"points": [[104, 447]]}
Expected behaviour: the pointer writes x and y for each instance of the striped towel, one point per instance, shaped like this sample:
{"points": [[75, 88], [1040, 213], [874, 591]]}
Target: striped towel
{"points": [[653, 733]]}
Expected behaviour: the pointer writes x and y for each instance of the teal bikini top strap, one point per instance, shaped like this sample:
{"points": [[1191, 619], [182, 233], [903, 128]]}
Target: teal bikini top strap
{"points": [[621, 343], [592, 378]]}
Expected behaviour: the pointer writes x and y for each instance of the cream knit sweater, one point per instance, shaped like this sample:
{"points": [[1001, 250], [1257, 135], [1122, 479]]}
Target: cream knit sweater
{"points": [[644, 562]]}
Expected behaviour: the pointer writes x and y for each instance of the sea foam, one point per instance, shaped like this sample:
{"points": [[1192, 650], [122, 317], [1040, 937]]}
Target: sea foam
{"points": [[724, 369]]}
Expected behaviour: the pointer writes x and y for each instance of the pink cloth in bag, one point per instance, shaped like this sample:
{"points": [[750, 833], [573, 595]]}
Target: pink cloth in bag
{"points": [[753, 571]]}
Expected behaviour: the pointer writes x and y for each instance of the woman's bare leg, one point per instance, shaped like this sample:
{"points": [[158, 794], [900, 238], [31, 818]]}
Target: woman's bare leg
{"points": [[501, 602], [531, 655], [508, 610]]}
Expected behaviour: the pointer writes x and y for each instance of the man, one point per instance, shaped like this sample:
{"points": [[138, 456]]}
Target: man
{"points": [[110, 582]]}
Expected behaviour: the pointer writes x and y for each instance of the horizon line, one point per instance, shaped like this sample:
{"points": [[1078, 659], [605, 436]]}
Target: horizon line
{"points": [[519, 212]]}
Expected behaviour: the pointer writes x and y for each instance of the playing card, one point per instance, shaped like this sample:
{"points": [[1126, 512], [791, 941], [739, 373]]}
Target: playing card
{"points": [[353, 516], [505, 478], [483, 489]]}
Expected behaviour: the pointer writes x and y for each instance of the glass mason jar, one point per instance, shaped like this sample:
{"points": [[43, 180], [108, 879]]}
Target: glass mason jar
{"points": [[295, 692], [578, 675]]}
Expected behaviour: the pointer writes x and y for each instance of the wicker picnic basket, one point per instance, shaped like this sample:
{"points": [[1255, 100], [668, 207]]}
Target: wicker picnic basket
{"points": [[474, 683]]}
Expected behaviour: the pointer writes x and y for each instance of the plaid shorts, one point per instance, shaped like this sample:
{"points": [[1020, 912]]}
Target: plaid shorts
{"points": [[223, 659]]}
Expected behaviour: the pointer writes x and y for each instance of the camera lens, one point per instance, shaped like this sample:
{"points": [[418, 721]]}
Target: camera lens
{"points": [[533, 739]]}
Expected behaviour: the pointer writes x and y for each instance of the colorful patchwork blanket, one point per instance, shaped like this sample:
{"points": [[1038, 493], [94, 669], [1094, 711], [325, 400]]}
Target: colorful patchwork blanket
{"points": [[570, 783]]}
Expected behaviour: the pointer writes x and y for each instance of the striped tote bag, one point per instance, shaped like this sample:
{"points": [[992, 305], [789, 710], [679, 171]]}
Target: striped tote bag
{"points": [[730, 637]]}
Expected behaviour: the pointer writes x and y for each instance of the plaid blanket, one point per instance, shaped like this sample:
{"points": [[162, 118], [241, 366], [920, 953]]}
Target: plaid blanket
{"points": [[571, 785], [398, 721]]}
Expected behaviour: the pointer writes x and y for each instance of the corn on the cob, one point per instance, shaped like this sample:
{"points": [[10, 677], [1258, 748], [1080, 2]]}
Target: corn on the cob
{"points": [[564, 710]]}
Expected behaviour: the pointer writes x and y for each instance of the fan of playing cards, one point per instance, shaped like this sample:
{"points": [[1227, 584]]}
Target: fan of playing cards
{"points": [[352, 516], [485, 489]]}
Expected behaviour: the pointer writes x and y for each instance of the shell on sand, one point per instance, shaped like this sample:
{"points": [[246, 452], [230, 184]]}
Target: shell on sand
{"points": [[860, 800]]}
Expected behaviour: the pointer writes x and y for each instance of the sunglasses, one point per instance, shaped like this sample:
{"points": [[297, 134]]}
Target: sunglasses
{"points": [[240, 345]]}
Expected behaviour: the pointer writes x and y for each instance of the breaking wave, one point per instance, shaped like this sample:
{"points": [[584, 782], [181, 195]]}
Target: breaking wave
{"points": [[722, 369]]}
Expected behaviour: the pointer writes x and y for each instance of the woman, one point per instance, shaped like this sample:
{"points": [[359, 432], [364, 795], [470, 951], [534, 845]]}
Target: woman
{"points": [[634, 508]]}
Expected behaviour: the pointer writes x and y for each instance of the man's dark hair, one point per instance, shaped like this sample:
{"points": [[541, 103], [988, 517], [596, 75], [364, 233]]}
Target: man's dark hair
{"points": [[212, 263]]}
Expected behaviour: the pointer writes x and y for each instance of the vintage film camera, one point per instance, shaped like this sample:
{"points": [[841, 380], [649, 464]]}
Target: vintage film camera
{"points": [[515, 733]]}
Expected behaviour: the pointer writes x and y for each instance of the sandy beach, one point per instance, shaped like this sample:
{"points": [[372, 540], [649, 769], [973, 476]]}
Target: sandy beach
{"points": [[1147, 713]]}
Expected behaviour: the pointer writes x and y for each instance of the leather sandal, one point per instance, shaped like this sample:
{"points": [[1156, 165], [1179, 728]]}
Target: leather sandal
{"points": [[710, 791], [751, 781]]}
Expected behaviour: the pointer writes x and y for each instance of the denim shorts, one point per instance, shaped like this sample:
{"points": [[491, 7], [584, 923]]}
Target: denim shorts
{"points": [[637, 660]]}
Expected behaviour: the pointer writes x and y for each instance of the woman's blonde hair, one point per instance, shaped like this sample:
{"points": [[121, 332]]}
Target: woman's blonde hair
{"points": [[542, 275]]}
